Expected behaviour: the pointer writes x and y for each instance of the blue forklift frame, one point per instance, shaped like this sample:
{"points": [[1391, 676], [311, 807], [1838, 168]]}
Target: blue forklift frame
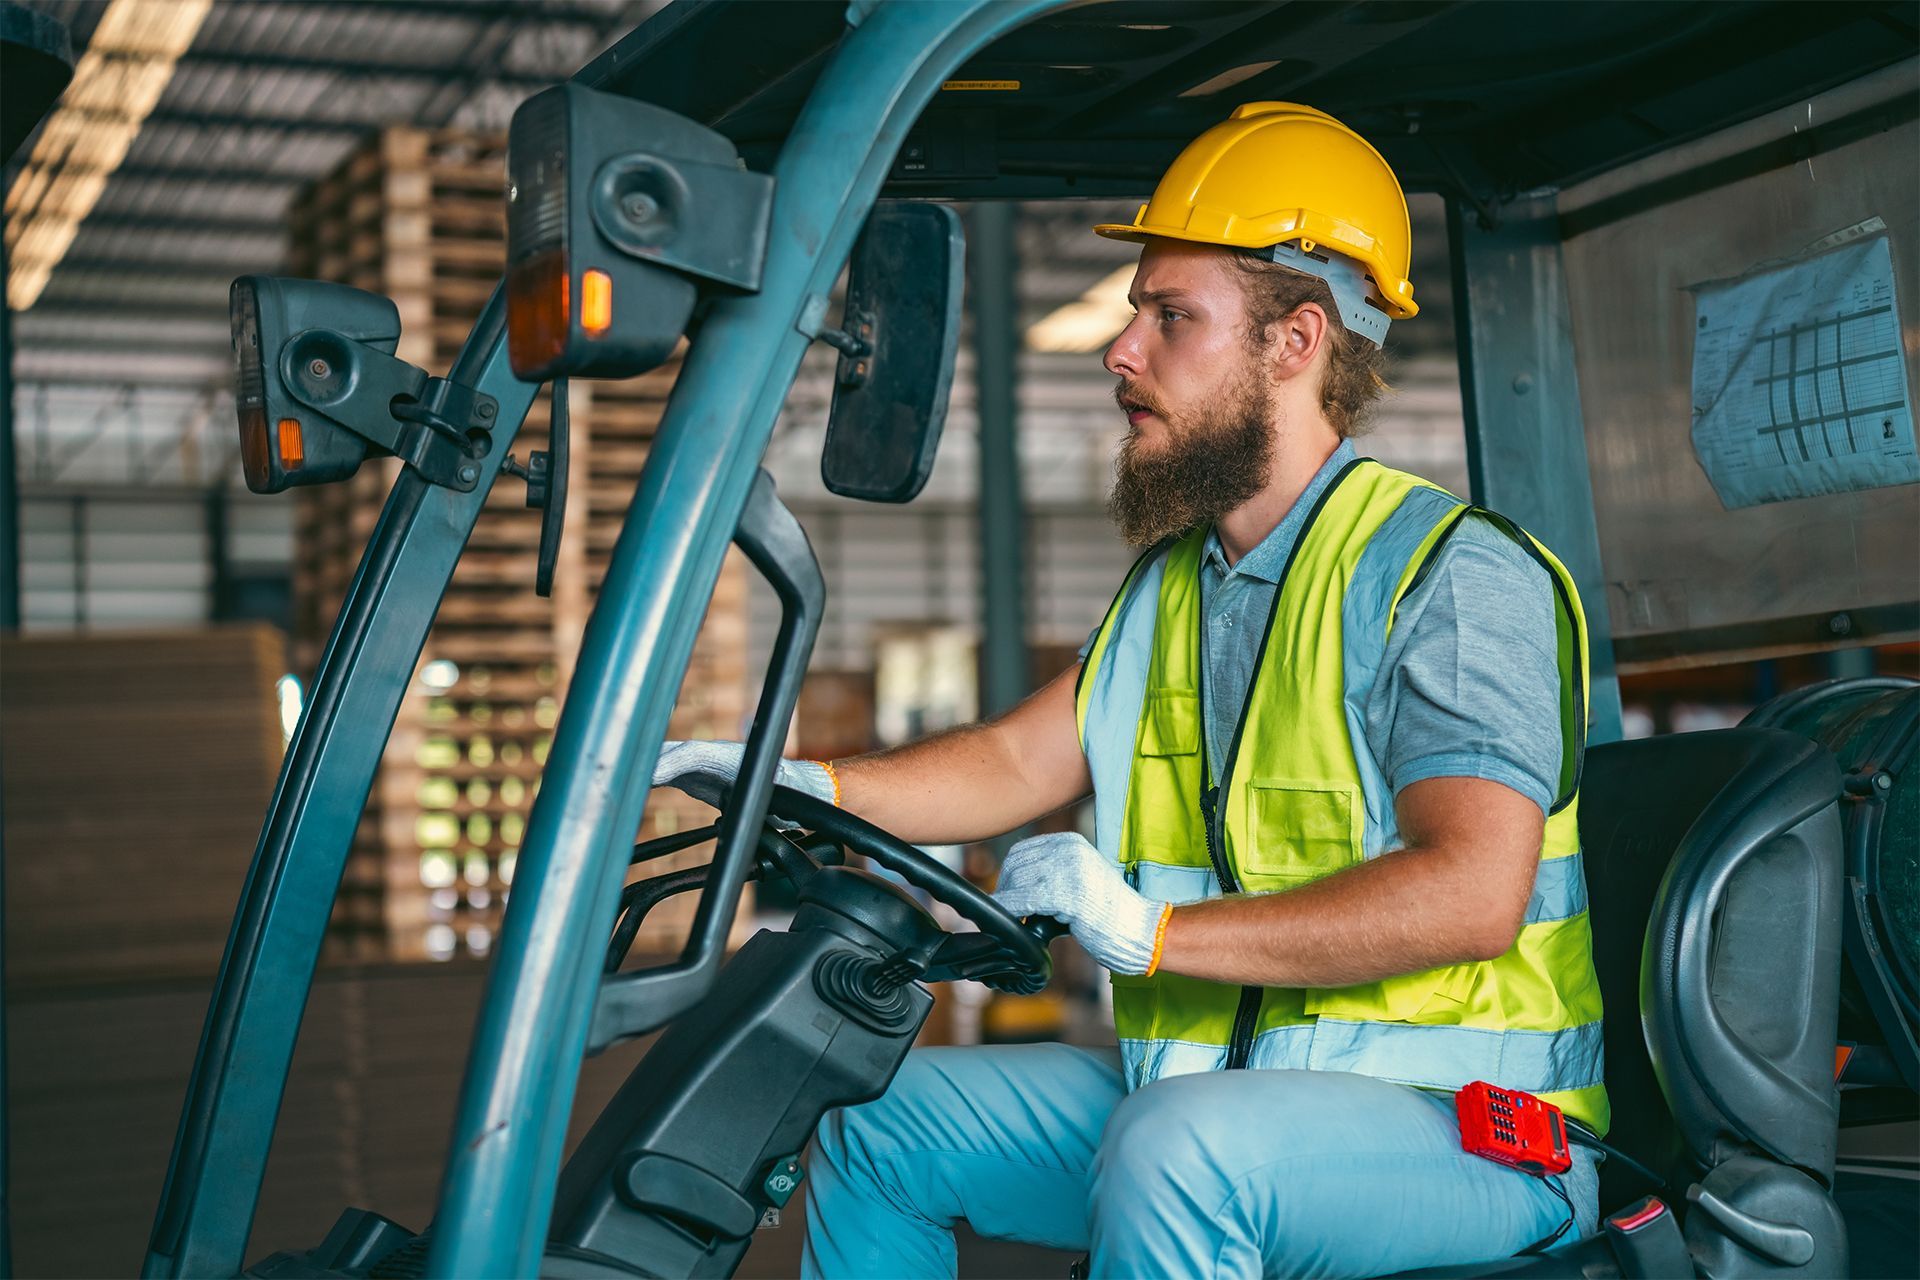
{"points": [[497, 1191]]}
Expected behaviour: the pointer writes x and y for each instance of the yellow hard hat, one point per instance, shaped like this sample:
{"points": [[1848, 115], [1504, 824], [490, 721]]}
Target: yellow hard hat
{"points": [[1278, 172]]}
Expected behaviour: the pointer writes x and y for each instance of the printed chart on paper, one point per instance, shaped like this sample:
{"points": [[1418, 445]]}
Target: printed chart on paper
{"points": [[1800, 381]]}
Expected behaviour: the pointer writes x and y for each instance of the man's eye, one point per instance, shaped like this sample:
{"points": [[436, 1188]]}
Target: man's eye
{"points": [[1169, 314]]}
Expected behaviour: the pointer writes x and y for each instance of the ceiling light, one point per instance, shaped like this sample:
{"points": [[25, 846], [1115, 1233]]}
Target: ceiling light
{"points": [[1091, 321], [1228, 79], [121, 76]]}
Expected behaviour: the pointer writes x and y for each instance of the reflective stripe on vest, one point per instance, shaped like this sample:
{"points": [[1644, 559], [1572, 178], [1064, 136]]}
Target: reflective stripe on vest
{"points": [[1302, 796]]}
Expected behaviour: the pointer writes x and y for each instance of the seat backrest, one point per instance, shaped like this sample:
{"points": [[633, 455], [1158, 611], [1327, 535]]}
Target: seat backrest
{"points": [[1712, 864]]}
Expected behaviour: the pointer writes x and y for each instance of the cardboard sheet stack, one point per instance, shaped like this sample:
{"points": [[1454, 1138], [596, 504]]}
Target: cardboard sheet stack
{"points": [[137, 767]]}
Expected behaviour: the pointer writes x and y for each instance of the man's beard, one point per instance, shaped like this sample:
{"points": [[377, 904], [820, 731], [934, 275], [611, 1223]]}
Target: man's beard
{"points": [[1212, 460]]}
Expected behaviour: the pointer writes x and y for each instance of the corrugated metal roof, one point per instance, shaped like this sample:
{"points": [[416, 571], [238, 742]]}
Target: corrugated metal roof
{"points": [[271, 95]]}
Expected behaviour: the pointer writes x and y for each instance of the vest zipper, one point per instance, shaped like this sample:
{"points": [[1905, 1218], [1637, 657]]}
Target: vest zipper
{"points": [[1240, 1045], [1246, 1014]]}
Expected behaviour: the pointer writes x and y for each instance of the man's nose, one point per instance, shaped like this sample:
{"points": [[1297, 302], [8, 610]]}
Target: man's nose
{"points": [[1123, 356]]}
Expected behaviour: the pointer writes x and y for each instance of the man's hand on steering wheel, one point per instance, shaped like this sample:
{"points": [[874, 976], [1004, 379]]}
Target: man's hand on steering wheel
{"points": [[1007, 953], [707, 771], [1063, 876]]}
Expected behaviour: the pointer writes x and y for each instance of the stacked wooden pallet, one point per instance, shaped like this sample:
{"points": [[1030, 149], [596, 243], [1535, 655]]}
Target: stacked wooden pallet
{"points": [[417, 215], [137, 767]]}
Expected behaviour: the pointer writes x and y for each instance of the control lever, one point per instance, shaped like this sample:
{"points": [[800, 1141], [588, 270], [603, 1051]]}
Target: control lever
{"points": [[1781, 1243], [546, 477]]}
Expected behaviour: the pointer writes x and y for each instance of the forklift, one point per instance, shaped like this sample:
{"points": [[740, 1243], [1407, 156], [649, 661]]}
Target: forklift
{"points": [[706, 181]]}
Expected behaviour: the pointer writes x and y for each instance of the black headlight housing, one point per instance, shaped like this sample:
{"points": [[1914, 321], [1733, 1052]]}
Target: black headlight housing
{"points": [[293, 350], [620, 215]]}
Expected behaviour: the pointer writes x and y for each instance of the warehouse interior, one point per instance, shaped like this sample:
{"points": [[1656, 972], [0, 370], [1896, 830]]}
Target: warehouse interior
{"points": [[164, 625]]}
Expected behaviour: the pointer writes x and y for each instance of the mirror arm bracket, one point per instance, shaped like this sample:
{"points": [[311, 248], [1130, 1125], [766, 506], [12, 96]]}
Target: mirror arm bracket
{"points": [[855, 344], [432, 424]]}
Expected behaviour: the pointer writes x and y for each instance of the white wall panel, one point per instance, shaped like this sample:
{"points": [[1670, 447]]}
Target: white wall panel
{"points": [[111, 559]]}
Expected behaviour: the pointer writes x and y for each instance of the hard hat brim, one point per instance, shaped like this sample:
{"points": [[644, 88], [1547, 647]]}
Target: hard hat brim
{"points": [[1400, 308]]}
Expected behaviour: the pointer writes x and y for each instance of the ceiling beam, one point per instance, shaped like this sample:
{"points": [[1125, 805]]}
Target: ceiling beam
{"points": [[135, 272], [116, 344], [235, 173], [165, 262], [547, 12], [181, 118], [78, 369], [358, 68], [214, 224], [144, 309], [183, 303]]}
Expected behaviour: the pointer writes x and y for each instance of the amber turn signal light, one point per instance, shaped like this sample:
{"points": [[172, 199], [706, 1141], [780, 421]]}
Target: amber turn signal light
{"points": [[538, 310]]}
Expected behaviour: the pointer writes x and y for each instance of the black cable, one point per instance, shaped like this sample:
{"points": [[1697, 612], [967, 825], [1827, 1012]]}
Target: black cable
{"points": [[1582, 1136], [1540, 1246]]}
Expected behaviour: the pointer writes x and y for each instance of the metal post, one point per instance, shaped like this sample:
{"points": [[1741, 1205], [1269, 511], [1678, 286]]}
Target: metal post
{"points": [[77, 529], [9, 478], [992, 267], [9, 623], [39, 61], [219, 555], [1526, 444]]}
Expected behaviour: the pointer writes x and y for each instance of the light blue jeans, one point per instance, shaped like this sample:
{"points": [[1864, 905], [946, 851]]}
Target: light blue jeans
{"points": [[1229, 1173]]}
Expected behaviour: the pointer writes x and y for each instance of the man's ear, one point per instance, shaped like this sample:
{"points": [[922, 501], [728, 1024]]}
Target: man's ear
{"points": [[1297, 341]]}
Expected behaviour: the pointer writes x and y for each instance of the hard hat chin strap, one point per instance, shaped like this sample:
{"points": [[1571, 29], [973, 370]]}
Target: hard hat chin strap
{"points": [[1346, 279]]}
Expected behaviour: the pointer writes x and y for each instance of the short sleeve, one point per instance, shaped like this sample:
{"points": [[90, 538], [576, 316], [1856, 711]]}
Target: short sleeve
{"points": [[1469, 686], [1092, 635]]}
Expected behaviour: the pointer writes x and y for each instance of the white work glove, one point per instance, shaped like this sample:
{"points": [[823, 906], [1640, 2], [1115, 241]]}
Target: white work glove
{"points": [[1063, 876], [706, 771]]}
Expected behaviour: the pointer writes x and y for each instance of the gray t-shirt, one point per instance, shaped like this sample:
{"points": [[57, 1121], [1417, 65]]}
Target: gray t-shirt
{"points": [[1469, 686]]}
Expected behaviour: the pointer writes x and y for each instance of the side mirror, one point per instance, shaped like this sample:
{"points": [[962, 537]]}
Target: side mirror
{"points": [[897, 344]]}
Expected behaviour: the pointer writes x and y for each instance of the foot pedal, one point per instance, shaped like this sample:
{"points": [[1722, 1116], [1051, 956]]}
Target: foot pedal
{"points": [[1647, 1242]]}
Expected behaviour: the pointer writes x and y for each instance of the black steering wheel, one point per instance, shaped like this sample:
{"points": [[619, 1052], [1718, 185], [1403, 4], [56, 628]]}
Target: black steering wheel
{"points": [[1009, 954]]}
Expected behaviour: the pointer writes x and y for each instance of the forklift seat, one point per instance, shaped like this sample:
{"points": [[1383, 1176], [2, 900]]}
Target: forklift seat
{"points": [[1713, 865]]}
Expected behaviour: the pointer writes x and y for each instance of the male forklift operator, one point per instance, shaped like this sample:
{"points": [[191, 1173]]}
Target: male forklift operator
{"points": [[1332, 726]]}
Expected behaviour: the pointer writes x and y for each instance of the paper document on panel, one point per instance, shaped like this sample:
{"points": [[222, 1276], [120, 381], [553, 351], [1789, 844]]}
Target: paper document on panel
{"points": [[1800, 379]]}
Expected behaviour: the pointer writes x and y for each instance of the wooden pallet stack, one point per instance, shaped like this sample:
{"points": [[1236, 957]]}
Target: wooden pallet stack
{"points": [[418, 215]]}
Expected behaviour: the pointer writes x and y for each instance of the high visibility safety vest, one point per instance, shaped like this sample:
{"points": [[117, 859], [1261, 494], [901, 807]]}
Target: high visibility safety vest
{"points": [[1301, 796]]}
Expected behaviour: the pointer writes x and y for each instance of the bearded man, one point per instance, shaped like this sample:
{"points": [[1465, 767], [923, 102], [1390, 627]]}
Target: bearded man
{"points": [[1332, 726]]}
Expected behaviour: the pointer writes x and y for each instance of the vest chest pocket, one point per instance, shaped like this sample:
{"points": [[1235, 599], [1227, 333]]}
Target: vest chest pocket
{"points": [[1167, 767], [1301, 831], [1170, 723]]}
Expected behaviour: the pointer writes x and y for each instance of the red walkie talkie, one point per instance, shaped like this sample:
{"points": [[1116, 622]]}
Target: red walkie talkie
{"points": [[1513, 1128]]}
